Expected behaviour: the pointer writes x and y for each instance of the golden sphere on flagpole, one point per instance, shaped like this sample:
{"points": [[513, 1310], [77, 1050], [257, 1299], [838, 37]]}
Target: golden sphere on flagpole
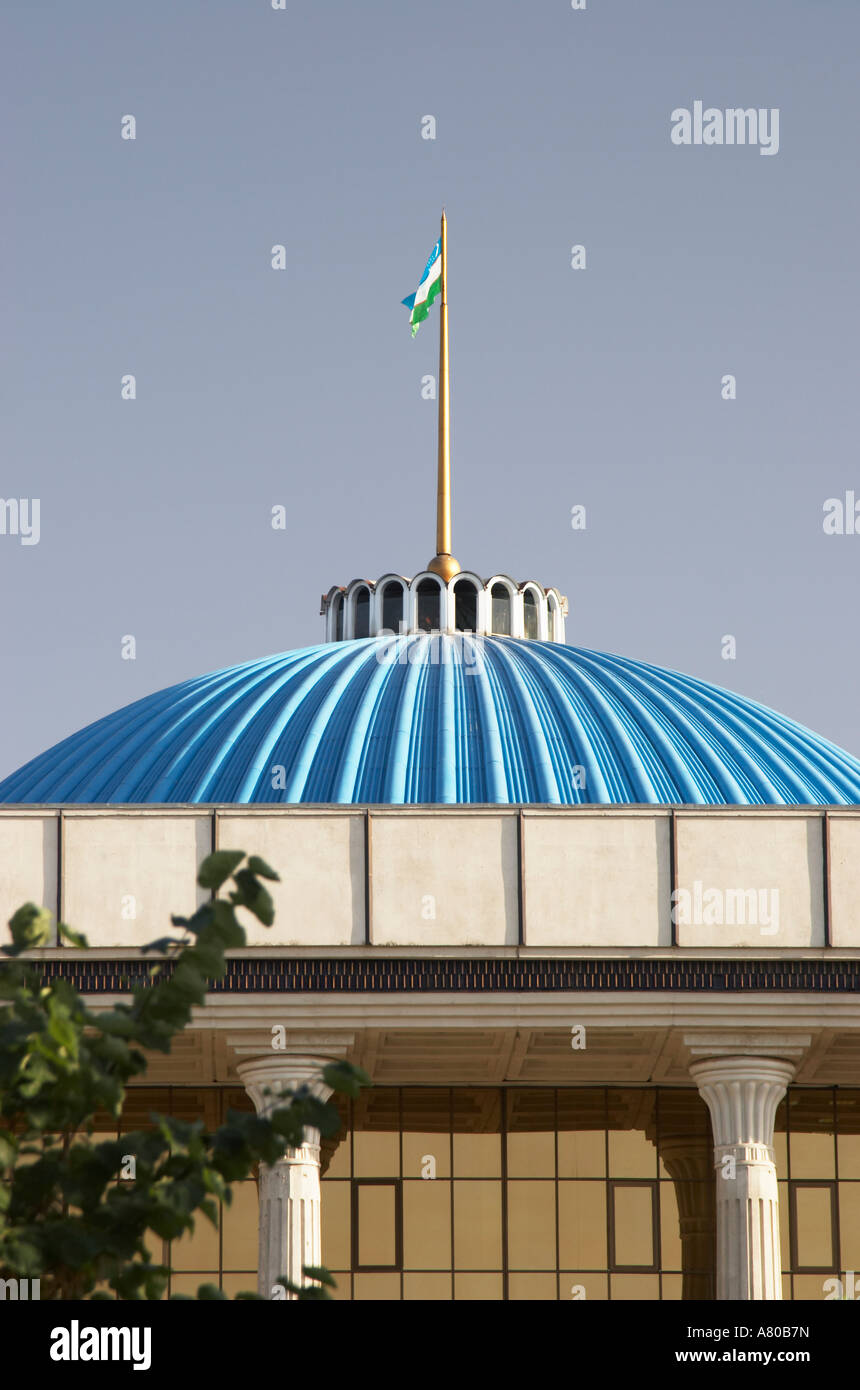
{"points": [[445, 566]]}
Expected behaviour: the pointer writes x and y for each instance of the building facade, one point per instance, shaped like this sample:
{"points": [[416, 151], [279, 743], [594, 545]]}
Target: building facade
{"points": [[615, 1046]]}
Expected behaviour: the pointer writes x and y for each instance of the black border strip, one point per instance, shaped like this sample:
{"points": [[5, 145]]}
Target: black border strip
{"points": [[387, 975]]}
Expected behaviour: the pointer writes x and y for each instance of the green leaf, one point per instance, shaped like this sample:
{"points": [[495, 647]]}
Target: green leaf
{"points": [[75, 938], [254, 896], [161, 944], [231, 932], [30, 927], [262, 869], [217, 868], [207, 956], [189, 982], [345, 1078]]}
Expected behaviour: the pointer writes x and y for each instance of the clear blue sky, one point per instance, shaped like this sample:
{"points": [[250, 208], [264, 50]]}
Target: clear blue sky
{"points": [[302, 387]]}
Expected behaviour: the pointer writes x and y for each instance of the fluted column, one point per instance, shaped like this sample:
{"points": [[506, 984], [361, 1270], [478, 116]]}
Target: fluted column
{"points": [[290, 1232], [742, 1095]]}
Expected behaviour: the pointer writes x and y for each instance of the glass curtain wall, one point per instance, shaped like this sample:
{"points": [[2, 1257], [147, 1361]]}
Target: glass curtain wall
{"points": [[545, 1193]]}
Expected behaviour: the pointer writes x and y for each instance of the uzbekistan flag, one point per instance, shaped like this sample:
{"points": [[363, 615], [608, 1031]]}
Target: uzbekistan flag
{"points": [[428, 288]]}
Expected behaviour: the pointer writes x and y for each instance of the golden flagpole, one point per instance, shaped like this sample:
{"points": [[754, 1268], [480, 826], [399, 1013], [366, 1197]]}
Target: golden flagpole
{"points": [[443, 562]]}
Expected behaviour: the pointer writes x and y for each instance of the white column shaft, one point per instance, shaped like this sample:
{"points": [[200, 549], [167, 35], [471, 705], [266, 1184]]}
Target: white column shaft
{"points": [[290, 1230], [742, 1095], [290, 1235]]}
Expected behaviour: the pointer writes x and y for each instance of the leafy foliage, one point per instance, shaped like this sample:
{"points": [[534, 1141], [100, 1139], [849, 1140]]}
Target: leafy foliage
{"points": [[64, 1218]]}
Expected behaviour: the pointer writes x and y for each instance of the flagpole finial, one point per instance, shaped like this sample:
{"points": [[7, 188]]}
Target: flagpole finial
{"points": [[443, 562]]}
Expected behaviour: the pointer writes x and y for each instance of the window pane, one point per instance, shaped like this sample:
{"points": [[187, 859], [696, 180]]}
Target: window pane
{"points": [[339, 1161], [335, 1149], [848, 1110], [501, 610], [392, 606], [198, 1250], [426, 1133], [362, 613], [426, 1156], [428, 605], [466, 606], [543, 1287], [377, 1229], [426, 1225], [190, 1283], [809, 1287], [813, 1227], [780, 1153], [431, 1287], [582, 1133], [581, 1155], [670, 1229], [478, 1225], [239, 1233], [531, 1155], [784, 1226], [582, 1225], [635, 1287], [684, 1137], [484, 1287], [376, 1288], [477, 1155], [477, 1139], [633, 1225], [531, 1136], [631, 1155], [812, 1126], [338, 620], [239, 1283], [531, 1225], [811, 1155], [530, 614], [631, 1116], [376, 1155], [376, 1137], [849, 1226], [849, 1155], [335, 1219], [583, 1285]]}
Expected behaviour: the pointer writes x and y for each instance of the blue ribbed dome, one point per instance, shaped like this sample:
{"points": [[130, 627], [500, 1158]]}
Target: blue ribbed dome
{"points": [[447, 719]]}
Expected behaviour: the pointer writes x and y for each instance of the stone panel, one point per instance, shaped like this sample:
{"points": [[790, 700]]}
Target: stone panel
{"points": [[124, 874], [596, 880], [28, 865], [320, 858], [750, 880], [444, 879]]}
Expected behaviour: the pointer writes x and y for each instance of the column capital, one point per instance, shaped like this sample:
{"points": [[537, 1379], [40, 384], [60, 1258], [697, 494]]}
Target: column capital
{"points": [[742, 1094], [266, 1078]]}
